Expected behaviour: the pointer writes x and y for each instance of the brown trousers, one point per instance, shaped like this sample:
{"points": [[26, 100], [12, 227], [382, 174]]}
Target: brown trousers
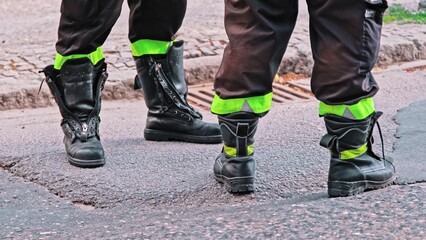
{"points": [[345, 39], [86, 24]]}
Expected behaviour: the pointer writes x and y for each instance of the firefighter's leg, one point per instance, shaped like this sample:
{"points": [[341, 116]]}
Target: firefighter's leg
{"points": [[258, 32], [159, 62], [83, 28], [78, 74], [345, 39]]}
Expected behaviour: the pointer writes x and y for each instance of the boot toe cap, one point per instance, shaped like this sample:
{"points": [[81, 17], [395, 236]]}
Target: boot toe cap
{"points": [[86, 154]]}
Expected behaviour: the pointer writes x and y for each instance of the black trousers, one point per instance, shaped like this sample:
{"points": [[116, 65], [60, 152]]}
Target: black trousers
{"points": [[85, 24], [345, 39]]}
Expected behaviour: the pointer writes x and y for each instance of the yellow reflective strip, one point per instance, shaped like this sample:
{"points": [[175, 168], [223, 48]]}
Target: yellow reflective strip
{"points": [[258, 104], [359, 111], [353, 153], [94, 57], [250, 150], [230, 151], [147, 46]]}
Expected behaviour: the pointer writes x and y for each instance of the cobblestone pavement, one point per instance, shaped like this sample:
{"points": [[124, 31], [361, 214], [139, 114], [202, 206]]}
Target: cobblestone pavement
{"points": [[29, 33]]}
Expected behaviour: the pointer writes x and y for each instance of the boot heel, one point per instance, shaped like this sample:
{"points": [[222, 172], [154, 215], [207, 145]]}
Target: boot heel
{"points": [[153, 135], [158, 135], [239, 184], [92, 163], [343, 189]]}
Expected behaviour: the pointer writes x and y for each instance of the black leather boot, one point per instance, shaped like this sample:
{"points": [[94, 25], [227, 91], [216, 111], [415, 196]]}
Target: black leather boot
{"points": [[169, 115], [235, 166], [354, 167], [77, 91]]}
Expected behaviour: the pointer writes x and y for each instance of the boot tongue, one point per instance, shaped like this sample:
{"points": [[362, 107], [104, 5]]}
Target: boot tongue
{"points": [[78, 80], [173, 67]]}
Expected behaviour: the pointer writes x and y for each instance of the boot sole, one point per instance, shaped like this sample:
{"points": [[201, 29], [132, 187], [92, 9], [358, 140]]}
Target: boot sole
{"points": [[86, 163], [237, 184], [158, 135], [344, 189]]}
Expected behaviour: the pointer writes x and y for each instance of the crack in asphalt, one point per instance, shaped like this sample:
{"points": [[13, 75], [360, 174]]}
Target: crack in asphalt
{"points": [[9, 164], [9, 167]]}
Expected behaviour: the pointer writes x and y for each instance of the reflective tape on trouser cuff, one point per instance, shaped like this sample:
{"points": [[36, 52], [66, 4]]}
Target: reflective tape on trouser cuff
{"points": [[94, 57], [258, 104], [147, 46], [230, 151], [358, 111], [353, 153]]}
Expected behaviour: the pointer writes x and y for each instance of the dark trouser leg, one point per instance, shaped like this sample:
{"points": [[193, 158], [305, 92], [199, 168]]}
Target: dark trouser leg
{"points": [[345, 39], [85, 25], [153, 25], [155, 20], [258, 33]]}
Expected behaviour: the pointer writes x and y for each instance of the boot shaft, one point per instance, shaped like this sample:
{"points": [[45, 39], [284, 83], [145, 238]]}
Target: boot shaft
{"points": [[77, 89], [163, 82], [78, 84], [173, 68], [238, 130], [153, 94], [78, 79], [346, 138]]}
